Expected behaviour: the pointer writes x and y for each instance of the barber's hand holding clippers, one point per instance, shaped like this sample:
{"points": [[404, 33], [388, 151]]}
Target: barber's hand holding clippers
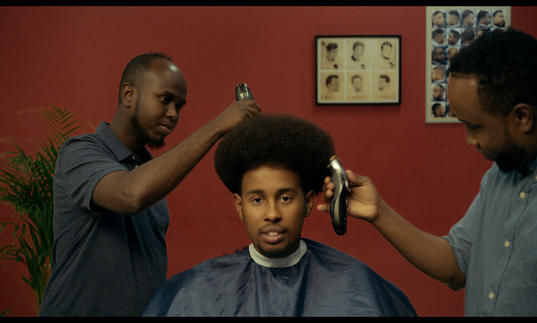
{"points": [[243, 108], [363, 201]]}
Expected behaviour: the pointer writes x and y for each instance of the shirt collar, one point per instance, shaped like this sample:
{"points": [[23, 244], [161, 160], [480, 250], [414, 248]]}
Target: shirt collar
{"points": [[281, 262], [109, 139]]}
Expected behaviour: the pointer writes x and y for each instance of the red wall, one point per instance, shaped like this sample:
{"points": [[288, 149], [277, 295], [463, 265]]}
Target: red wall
{"points": [[73, 57]]}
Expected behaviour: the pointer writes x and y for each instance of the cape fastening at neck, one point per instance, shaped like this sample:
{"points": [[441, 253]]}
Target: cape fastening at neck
{"points": [[282, 262]]}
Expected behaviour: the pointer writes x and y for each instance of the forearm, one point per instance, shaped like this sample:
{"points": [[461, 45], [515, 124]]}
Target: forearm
{"points": [[155, 179], [429, 253], [130, 192]]}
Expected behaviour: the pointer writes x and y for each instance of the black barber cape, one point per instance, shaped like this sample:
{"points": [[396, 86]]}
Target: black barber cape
{"points": [[324, 282]]}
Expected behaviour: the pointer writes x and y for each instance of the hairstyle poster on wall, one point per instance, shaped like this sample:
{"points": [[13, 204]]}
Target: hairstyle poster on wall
{"points": [[448, 30], [361, 69]]}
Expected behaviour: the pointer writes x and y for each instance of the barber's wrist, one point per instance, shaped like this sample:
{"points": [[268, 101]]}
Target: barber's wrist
{"points": [[382, 210]]}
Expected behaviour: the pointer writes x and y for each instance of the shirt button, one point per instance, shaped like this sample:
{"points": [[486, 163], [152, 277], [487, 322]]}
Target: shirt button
{"points": [[522, 195], [491, 295], [507, 244]]}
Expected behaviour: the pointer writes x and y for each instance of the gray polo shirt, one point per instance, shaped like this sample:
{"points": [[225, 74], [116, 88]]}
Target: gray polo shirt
{"points": [[104, 263]]}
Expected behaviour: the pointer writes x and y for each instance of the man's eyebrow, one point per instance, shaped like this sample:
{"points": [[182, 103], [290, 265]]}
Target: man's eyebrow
{"points": [[280, 191], [286, 190], [255, 191]]}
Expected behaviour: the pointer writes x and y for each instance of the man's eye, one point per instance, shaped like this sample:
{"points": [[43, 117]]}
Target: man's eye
{"points": [[472, 127], [285, 198], [164, 99], [255, 200]]}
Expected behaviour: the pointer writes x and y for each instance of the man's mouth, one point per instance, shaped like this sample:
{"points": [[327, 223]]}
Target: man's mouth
{"points": [[272, 234], [165, 128]]}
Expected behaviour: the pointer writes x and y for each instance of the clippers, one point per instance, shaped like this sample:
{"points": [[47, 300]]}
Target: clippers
{"points": [[338, 203], [242, 92]]}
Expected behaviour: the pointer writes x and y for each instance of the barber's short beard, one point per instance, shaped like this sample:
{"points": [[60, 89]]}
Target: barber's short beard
{"points": [[512, 158], [150, 142]]}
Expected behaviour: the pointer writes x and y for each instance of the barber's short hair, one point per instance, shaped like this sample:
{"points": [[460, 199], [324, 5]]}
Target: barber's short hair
{"points": [[136, 65], [505, 66], [277, 140]]}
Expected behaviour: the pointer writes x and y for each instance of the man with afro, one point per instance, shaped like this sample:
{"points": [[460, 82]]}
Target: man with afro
{"points": [[274, 165]]}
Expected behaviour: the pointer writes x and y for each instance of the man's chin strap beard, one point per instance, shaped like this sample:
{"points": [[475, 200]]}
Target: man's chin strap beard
{"points": [[156, 145]]}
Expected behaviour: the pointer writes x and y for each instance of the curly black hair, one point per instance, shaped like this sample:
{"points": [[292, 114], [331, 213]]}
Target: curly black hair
{"points": [[278, 140], [504, 62]]}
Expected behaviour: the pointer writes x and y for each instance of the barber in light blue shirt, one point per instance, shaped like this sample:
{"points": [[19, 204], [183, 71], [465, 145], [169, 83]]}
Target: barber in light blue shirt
{"points": [[492, 250], [495, 245]]}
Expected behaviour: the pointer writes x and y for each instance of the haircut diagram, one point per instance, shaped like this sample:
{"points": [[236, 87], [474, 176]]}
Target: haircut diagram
{"points": [[358, 69], [449, 29]]}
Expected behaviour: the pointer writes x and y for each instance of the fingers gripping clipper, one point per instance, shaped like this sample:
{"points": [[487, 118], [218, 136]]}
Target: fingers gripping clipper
{"points": [[338, 203]]}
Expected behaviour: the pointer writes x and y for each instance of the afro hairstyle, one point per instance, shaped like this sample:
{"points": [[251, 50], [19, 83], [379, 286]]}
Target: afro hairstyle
{"points": [[277, 140]]}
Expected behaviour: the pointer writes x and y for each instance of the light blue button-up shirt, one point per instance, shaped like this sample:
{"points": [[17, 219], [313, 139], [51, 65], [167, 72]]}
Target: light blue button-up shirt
{"points": [[495, 244]]}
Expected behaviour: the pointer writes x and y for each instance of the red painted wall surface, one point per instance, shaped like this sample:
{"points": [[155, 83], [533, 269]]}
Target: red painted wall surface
{"points": [[73, 57]]}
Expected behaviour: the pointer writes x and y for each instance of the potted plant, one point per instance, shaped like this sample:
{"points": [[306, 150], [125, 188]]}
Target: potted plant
{"points": [[26, 185]]}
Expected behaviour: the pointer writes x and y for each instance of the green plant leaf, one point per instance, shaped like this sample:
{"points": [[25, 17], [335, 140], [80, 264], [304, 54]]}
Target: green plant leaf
{"points": [[26, 182]]}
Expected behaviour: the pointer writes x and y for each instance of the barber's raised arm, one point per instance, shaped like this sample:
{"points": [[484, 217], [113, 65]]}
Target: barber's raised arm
{"points": [[429, 253], [129, 192]]}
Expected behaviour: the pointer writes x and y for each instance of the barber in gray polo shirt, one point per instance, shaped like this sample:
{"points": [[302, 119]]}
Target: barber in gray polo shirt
{"points": [[111, 216]]}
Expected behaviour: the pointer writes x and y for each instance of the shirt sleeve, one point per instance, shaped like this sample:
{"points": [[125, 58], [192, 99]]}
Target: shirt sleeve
{"points": [[461, 234], [82, 163]]}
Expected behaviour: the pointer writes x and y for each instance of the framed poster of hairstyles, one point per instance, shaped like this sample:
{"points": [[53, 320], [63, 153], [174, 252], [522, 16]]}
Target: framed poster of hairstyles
{"points": [[450, 29], [358, 69]]}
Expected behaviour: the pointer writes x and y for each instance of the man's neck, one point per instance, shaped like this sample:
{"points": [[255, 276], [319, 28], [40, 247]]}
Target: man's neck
{"points": [[123, 129]]}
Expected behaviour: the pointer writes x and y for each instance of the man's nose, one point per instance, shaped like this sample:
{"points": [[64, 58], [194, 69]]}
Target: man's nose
{"points": [[471, 140], [172, 112], [273, 213]]}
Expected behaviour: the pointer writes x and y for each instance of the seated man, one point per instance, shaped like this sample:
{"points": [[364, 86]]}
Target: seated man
{"points": [[275, 166]]}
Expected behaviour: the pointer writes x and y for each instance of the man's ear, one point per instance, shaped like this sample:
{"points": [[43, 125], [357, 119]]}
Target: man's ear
{"points": [[129, 95], [238, 205], [310, 200], [524, 117]]}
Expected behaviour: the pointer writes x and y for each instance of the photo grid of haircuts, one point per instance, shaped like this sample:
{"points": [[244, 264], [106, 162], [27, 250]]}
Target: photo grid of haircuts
{"points": [[358, 69], [448, 30]]}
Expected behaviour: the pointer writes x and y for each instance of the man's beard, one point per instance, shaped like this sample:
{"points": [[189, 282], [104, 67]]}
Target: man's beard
{"points": [[512, 157], [150, 142]]}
